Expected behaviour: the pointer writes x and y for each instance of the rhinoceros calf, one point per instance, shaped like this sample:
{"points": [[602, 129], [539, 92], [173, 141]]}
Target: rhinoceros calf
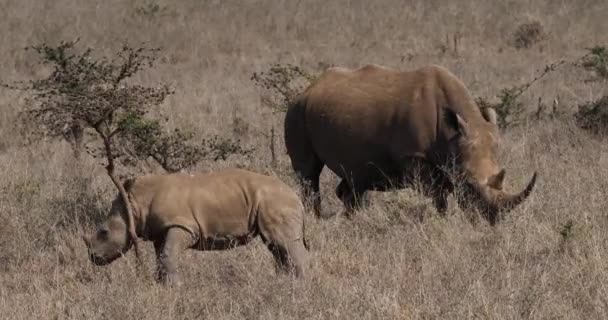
{"points": [[377, 128], [211, 211]]}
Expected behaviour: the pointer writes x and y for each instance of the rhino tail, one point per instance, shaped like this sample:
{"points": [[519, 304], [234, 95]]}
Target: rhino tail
{"points": [[294, 126]]}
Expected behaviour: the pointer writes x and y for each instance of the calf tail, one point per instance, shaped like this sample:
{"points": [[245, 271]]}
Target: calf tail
{"points": [[304, 234]]}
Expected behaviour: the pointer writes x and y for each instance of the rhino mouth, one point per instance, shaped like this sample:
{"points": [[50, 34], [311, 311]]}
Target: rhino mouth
{"points": [[100, 260], [492, 201]]}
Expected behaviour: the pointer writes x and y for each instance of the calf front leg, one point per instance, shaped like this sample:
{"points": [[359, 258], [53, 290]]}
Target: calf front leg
{"points": [[167, 254]]}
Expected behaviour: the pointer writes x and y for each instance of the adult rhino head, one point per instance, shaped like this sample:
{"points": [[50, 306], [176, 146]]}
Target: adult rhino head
{"points": [[379, 128], [478, 173]]}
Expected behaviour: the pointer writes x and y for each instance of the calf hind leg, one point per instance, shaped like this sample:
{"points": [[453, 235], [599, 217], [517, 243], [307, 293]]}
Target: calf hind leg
{"points": [[290, 256]]}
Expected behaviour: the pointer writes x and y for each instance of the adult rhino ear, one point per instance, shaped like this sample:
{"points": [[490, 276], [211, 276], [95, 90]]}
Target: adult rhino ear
{"points": [[456, 122], [489, 114]]}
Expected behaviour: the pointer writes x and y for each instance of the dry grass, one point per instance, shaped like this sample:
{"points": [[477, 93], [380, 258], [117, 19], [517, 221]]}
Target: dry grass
{"points": [[386, 263]]}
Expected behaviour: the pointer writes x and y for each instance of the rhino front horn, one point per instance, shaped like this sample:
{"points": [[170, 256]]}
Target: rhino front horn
{"points": [[508, 201]]}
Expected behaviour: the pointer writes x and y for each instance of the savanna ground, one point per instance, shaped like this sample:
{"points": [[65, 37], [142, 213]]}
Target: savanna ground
{"points": [[548, 258]]}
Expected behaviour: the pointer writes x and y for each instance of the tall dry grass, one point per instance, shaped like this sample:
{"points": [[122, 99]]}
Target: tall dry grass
{"points": [[547, 260]]}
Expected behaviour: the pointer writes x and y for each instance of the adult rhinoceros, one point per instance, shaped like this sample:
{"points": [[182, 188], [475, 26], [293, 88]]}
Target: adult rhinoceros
{"points": [[212, 211], [376, 127]]}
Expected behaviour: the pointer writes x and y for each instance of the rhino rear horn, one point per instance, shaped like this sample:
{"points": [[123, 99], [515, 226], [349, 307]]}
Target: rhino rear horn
{"points": [[497, 180], [489, 114]]}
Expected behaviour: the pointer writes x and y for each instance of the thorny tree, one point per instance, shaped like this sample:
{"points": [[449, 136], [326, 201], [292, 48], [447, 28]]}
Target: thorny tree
{"points": [[87, 94]]}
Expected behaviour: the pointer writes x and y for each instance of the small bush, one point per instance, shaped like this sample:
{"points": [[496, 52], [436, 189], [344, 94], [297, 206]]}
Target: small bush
{"points": [[282, 83], [509, 110], [151, 10], [596, 60], [528, 34], [593, 116]]}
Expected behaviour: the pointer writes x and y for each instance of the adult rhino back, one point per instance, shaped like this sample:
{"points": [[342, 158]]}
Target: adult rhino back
{"points": [[374, 126]]}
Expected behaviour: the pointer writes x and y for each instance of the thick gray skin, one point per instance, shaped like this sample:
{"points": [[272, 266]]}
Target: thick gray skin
{"points": [[378, 128], [214, 211]]}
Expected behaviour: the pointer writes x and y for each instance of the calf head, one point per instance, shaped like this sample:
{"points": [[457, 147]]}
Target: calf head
{"points": [[475, 148], [110, 240]]}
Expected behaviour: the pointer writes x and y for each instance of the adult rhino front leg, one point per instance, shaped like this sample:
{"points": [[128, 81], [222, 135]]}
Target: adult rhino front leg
{"points": [[353, 197], [438, 187], [430, 180], [175, 241]]}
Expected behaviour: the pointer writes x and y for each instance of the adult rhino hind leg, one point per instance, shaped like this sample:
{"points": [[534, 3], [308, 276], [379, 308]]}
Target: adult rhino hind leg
{"points": [[304, 159], [308, 170], [167, 254], [311, 187]]}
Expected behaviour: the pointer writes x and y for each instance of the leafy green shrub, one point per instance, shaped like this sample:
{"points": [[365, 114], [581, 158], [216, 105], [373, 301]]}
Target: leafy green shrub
{"points": [[282, 83], [509, 110], [596, 60]]}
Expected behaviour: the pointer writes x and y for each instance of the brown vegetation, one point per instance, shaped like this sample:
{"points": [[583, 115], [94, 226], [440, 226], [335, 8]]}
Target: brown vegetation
{"points": [[398, 259]]}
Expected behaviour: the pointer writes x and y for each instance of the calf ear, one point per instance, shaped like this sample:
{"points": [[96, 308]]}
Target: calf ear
{"points": [[456, 122], [128, 184]]}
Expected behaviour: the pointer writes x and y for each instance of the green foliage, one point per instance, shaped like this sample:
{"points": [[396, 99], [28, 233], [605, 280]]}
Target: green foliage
{"points": [[596, 60], [84, 93], [509, 110], [282, 83], [593, 116]]}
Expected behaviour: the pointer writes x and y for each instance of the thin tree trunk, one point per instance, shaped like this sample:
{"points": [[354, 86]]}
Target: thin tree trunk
{"points": [[273, 155], [123, 193]]}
